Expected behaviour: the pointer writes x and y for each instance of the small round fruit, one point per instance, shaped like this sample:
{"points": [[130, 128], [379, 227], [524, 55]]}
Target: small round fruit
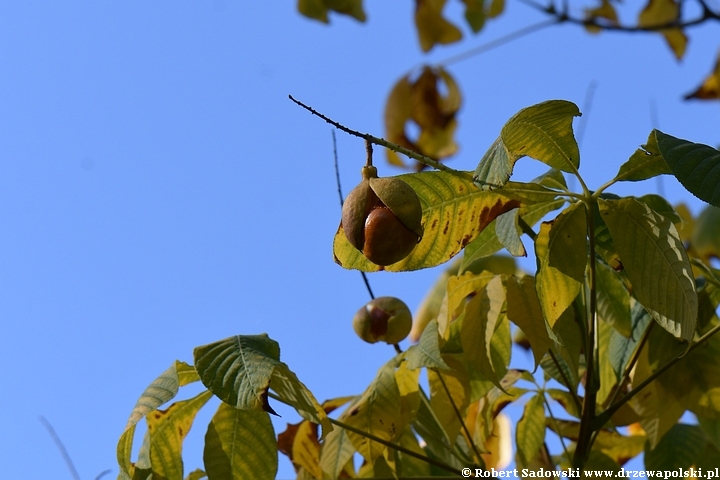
{"points": [[385, 319], [387, 240]]}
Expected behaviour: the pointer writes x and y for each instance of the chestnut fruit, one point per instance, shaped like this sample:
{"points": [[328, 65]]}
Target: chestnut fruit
{"points": [[385, 319], [382, 217]]}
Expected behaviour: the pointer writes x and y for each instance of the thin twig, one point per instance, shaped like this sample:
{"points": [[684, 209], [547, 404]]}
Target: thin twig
{"points": [[342, 201], [605, 416], [554, 420], [381, 441], [498, 42], [60, 446], [102, 474], [573, 393], [384, 143]]}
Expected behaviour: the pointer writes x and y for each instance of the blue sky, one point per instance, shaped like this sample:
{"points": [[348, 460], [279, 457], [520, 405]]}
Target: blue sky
{"points": [[159, 191]]}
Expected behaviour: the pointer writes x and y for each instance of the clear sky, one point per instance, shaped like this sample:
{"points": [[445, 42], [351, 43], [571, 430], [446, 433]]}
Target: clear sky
{"points": [[158, 190]]}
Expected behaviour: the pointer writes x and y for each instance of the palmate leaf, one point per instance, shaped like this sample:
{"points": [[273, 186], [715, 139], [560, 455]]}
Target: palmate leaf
{"points": [[530, 430], [679, 448], [448, 388], [336, 452], [524, 310], [427, 352], [454, 213], [656, 263], [167, 430], [695, 165], [160, 391], [240, 444], [240, 369]]}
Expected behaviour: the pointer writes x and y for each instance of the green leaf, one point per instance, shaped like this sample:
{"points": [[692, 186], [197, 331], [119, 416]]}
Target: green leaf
{"points": [[160, 391], [167, 430], [695, 165], [678, 449], [705, 240], [544, 132], [524, 310], [475, 14], [613, 299], [427, 352], [508, 232], [662, 206], [530, 430], [378, 412], [561, 251], [408, 466], [646, 162], [336, 452], [429, 428], [622, 347], [495, 167], [196, 474], [482, 314], [240, 444], [454, 213], [656, 263], [553, 178], [240, 369], [565, 398]]}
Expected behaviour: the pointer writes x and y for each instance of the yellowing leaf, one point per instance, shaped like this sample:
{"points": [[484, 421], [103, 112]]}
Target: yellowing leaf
{"points": [[454, 213], [431, 26], [561, 250], [524, 310], [710, 88], [606, 11], [337, 452], [663, 12], [318, 9], [705, 241], [530, 430], [656, 263], [378, 412], [448, 387], [420, 102], [475, 14], [240, 444], [645, 163], [167, 430]]}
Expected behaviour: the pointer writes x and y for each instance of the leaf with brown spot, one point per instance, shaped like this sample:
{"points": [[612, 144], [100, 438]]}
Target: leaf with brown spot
{"points": [[442, 196], [710, 88]]}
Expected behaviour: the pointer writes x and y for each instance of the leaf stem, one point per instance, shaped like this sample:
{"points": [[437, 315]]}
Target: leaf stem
{"points": [[573, 393], [458, 414], [384, 143], [587, 418], [382, 441], [554, 420]]}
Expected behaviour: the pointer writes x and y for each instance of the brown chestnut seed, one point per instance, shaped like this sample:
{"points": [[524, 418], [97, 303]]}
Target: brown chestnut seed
{"points": [[385, 319], [382, 217], [387, 240]]}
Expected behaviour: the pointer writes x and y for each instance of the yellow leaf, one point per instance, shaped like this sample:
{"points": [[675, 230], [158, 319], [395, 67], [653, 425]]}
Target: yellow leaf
{"points": [[605, 11], [431, 25], [318, 9], [561, 250], [710, 88], [524, 310], [306, 449], [663, 12], [398, 109], [457, 382], [498, 444]]}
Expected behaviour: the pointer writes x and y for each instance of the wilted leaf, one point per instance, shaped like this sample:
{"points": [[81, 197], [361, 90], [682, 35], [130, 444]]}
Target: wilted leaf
{"points": [[421, 102], [318, 9], [561, 251], [656, 263], [431, 26], [663, 12], [605, 11], [645, 163], [524, 310], [167, 430], [710, 88], [240, 444], [695, 165]]}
